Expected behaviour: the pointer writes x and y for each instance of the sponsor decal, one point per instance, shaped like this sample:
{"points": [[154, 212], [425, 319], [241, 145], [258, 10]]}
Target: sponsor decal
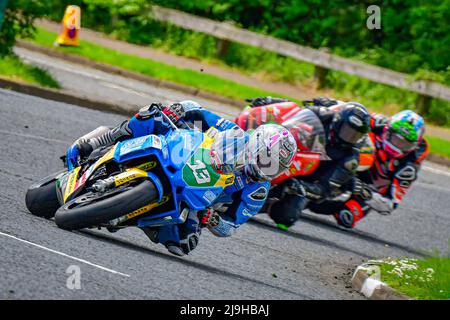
{"points": [[147, 208], [283, 153], [212, 132], [246, 213], [71, 183], [229, 181], [131, 145], [259, 194], [156, 142], [121, 180], [253, 207], [209, 196], [147, 166]]}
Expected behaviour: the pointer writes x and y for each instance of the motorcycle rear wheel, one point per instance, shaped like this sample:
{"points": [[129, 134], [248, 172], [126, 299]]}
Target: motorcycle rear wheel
{"points": [[92, 209]]}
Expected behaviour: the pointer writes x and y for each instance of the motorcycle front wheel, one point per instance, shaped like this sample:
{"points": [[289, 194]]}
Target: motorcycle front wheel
{"points": [[92, 208]]}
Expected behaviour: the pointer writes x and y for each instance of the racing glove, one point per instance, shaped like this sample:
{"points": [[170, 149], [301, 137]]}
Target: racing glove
{"points": [[361, 189], [174, 112], [208, 218], [263, 101], [323, 102]]}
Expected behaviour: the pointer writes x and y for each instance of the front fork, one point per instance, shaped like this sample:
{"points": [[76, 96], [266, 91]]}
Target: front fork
{"points": [[127, 176]]}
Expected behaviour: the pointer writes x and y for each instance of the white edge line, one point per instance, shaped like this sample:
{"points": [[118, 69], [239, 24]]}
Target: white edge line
{"points": [[436, 171], [34, 137], [66, 255]]}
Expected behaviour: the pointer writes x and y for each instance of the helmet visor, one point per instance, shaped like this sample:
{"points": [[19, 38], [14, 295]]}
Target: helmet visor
{"points": [[349, 134], [400, 142], [269, 152]]}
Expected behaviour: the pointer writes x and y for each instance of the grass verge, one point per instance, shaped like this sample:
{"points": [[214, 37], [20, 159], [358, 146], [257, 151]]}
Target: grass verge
{"points": [[12, 67], [154, 69], [423, 279], [439, 146]]}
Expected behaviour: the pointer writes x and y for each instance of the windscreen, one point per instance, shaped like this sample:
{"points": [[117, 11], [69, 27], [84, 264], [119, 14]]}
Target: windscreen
{"points": [[308, 132]]}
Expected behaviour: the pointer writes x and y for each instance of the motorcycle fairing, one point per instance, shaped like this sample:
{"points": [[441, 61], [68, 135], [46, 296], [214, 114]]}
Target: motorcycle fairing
{"points": [[184, 157]]}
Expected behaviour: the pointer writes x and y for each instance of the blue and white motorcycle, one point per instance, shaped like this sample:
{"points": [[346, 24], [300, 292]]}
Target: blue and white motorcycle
{"points": [[146, 182]]}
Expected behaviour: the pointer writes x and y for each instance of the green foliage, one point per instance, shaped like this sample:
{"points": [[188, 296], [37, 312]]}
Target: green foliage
{"points": [[11, 67], [417, 31], [18, 21], [383, 98]]}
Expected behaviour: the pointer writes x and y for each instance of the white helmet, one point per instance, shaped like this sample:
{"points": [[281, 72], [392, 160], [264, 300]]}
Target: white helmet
{"points": [[270, 151], [263, 155]]}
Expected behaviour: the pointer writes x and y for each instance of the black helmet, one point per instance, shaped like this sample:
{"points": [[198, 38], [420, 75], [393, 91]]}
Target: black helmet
{"points": [[350, 124]]}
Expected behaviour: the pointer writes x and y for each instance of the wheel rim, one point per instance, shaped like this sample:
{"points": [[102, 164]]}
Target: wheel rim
{"points": [[92, 197]]}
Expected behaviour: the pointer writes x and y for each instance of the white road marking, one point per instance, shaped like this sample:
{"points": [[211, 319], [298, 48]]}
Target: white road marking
{"points": [[34, 137], [69, 67], [112, 85], [432, 186], [65, 255], [436, 171]]}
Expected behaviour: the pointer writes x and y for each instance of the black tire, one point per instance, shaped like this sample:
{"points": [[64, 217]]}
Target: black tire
{"points": [[77, 215], [41, 198]]}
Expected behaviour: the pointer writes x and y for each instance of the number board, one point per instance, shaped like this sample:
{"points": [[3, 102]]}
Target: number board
{"points": [[198, 172]]}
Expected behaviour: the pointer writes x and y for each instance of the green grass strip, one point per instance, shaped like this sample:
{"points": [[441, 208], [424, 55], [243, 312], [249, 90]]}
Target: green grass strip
{"points": [[12, 68], [439, 146]]}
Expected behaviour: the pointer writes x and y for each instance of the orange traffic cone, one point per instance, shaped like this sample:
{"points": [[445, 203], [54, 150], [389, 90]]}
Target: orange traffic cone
{"points": [[70, 27]]}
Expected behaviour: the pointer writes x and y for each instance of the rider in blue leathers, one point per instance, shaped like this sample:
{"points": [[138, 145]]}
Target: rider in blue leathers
{"points": [[238, 203]]}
